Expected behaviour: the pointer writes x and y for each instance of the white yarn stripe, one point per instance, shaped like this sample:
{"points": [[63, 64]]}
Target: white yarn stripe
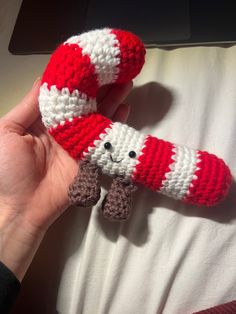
{"points": [[123, 140], [57, 106], [103, 49], [179, 179]]}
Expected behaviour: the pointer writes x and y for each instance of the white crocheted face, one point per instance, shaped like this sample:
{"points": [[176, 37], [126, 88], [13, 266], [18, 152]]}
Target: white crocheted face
{"points": [[118, 151]]}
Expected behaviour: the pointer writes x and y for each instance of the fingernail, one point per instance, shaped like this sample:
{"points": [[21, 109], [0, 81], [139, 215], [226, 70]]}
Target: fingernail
{"points": [[125, 105], [37, 81]]}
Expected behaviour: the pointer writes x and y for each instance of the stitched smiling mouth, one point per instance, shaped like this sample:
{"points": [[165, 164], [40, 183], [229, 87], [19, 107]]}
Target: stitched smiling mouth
{"points": [[117, 161]]}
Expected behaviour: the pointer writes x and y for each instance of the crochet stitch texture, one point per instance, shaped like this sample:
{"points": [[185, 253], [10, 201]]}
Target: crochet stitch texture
{"points": [[67, 103]]}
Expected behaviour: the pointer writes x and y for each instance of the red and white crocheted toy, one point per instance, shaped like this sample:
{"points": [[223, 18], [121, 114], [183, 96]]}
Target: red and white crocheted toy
{"points": [[67, 103]]}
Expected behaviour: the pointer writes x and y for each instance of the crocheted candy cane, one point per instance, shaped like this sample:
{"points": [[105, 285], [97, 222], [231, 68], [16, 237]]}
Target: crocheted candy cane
{"points": [[68, 105]]}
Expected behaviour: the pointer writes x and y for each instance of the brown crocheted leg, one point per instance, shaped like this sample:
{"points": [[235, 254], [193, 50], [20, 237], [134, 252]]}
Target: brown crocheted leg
{"points": [[117, 204], [85, 189]]}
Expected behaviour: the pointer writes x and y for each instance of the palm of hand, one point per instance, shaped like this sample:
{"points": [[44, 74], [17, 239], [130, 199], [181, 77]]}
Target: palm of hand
{"points": [[36, 174], [35, 171]]}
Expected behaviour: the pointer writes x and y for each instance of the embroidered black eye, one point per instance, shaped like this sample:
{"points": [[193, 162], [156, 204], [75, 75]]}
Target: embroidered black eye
{"points": [[107, 145], [132, 154]]}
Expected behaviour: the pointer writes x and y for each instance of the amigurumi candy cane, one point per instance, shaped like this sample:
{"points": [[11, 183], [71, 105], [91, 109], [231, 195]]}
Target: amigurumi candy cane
{"points": [[67, 103]]}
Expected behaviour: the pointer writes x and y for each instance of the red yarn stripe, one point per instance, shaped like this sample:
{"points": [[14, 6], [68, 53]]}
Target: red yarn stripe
{"points": [[213, 181], [132, 53], [227, 308], [77, 135], [69, 68], [154, 163]]}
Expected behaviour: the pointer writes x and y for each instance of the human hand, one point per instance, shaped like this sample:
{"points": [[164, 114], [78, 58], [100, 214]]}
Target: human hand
{"points": [[35, 174]]}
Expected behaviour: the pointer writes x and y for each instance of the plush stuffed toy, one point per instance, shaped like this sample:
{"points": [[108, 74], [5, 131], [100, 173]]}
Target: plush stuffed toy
{"points": [[67, 103]]}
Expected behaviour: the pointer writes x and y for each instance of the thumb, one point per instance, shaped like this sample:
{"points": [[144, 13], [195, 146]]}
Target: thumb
{"points": [[27, 111]]}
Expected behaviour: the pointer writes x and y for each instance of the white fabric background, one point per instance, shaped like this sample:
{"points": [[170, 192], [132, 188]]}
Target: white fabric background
{"points": [[168, 258]]}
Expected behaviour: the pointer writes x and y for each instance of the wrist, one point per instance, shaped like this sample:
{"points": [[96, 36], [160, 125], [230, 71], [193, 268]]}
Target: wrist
{"points": [[19, 241]]}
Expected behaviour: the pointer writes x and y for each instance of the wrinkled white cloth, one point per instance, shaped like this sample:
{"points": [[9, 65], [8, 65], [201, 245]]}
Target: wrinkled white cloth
{"points": [[169, 257]]}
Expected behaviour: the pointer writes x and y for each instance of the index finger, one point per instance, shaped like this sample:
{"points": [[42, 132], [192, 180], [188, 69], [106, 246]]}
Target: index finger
{"points": [[114, 96]]}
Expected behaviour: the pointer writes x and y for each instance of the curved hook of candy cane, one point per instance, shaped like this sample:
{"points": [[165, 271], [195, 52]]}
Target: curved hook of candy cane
{"points": [[80, 66], [68, 106]]}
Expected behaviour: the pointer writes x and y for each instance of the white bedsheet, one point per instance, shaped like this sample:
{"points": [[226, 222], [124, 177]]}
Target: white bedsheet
{"points": [[168, 258]]}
